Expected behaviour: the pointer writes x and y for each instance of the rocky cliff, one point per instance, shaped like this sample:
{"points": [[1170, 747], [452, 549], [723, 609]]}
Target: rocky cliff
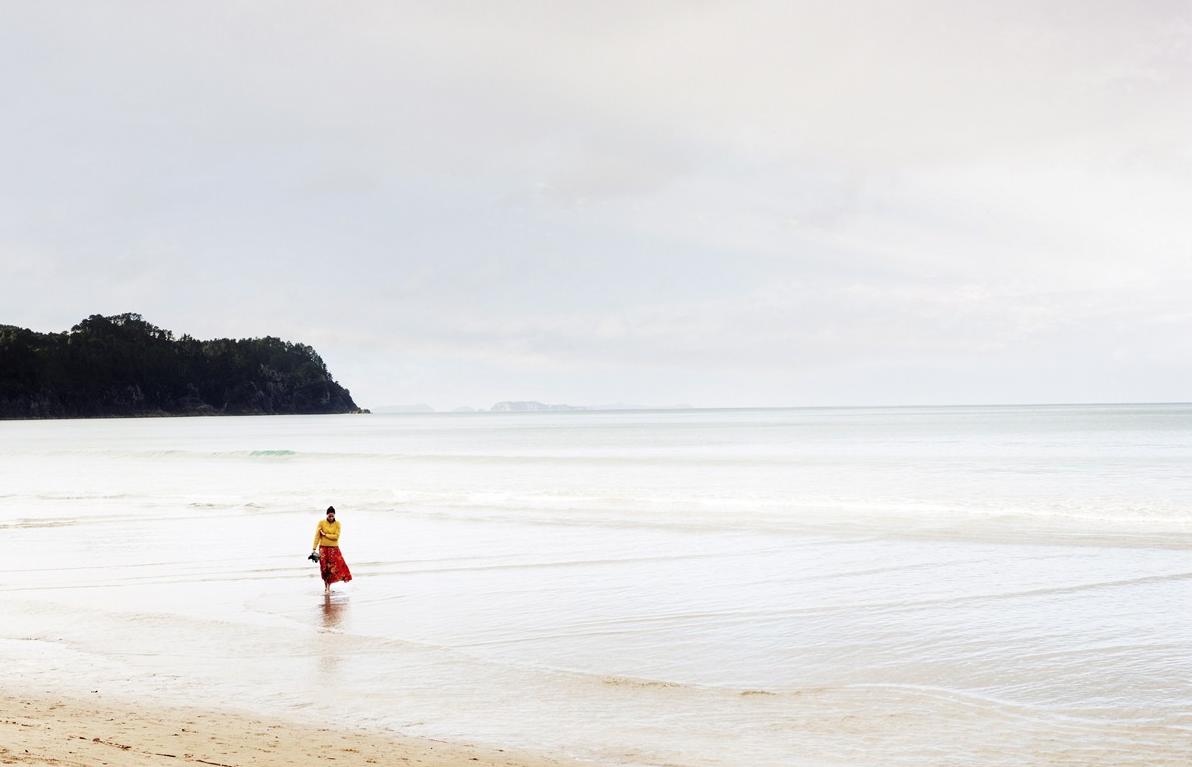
{"points": [[123, 366]]}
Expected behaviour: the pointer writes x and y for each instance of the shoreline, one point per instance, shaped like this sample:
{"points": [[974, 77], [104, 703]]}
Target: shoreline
{"points": [[44, 730]]}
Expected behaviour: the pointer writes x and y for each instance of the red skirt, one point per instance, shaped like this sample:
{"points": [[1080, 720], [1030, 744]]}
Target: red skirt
{"points": [[333, 566]]}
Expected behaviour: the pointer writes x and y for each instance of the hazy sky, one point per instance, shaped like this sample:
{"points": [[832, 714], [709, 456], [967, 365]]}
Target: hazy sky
{"points": [[715, 203]]}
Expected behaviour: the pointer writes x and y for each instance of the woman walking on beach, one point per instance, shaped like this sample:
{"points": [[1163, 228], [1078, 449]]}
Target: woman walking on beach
{"points": [[326, 548]]}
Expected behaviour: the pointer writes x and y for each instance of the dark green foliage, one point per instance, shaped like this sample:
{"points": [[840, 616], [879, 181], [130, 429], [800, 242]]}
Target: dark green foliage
{"points": [[124, 366]]}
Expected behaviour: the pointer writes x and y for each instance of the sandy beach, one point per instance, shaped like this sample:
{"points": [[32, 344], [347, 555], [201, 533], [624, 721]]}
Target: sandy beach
{"points": [[65, 732]]}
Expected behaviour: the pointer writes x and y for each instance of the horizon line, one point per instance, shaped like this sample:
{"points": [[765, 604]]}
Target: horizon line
{"points": [[655, 408]]}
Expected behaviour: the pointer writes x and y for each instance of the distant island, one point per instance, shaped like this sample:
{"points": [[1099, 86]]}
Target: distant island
{"points": [[530, 406], [523, 406], [121, 365], [533, 406]]}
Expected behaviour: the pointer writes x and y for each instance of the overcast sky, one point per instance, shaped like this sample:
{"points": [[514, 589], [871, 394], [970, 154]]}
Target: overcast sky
{"points": [[789, 203]]}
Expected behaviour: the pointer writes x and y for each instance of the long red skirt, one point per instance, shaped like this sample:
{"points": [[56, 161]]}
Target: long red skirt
{"points": [[333, 566]]}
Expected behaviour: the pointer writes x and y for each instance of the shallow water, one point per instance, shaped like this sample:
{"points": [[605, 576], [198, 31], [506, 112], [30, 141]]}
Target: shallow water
{"points": [[986, 586]]}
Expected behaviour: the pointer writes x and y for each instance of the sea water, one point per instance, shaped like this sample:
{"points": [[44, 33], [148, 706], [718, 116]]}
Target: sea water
{"points": [[893, 586]]}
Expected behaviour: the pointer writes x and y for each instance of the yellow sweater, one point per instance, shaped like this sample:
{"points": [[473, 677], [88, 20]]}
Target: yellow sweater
{"points": [[327, 533]]}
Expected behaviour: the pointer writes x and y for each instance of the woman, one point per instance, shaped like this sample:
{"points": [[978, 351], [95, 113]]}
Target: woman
{"points": [[326, 548]]}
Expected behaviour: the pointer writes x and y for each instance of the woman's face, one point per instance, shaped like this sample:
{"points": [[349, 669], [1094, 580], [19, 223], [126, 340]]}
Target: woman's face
{"points": [[331, 516]]}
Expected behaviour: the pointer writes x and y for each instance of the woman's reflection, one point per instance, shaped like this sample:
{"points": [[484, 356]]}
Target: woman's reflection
{"points": [[333, 611], [329, 640]]}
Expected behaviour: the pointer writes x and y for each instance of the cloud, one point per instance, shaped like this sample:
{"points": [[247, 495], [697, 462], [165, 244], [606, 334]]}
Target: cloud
{"points": [[724, 203]]}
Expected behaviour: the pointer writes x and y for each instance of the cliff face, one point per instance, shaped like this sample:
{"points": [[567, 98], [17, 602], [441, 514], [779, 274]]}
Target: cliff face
{"points": [[124, 366]]}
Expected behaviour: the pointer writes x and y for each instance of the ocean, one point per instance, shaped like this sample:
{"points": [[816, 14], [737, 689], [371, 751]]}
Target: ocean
{"points": [[826, 586]]}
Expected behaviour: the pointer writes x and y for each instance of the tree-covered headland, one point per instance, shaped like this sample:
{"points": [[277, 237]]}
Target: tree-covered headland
{"points": [[124, 366]]}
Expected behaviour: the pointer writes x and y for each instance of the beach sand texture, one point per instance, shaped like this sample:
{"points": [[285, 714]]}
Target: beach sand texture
{"points": [[61, 732]]}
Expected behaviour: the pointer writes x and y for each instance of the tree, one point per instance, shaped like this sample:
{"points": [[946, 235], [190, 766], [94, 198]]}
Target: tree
{"points": [[123, 365]]}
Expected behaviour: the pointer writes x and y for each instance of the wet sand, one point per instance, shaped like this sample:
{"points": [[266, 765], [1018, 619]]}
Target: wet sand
{"points": [[66, 732]]}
